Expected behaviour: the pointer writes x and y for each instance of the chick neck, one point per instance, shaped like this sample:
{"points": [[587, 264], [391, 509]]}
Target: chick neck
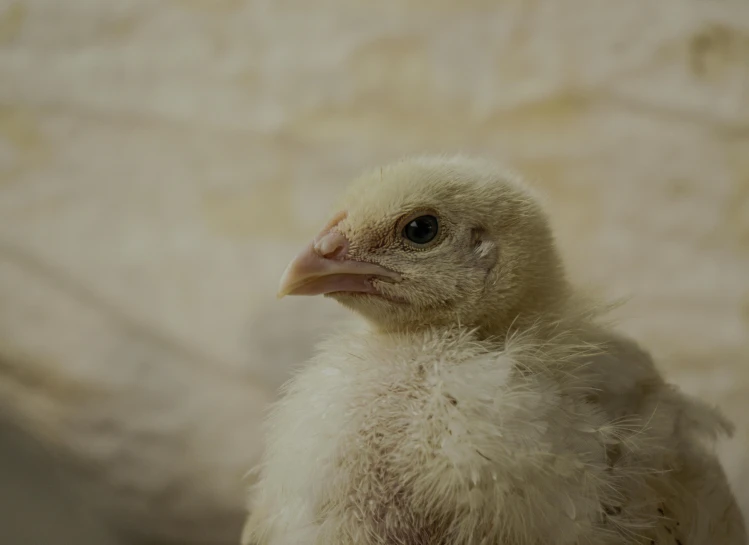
{"points": [[540, 310]]}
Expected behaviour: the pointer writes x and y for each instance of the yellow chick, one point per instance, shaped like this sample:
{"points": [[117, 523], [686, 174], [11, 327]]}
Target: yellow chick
{"points": [[482, 401]]}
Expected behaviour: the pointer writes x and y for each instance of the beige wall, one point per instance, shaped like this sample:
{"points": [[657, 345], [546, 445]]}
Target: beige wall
{"points": [[161, 160]]}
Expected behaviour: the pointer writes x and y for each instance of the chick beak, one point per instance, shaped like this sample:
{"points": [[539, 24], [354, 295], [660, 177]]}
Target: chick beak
{"points": [[325, 266]]}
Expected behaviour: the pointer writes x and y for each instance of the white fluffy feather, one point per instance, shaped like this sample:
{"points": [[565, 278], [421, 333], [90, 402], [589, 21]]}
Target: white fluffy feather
{"points": [[443, 438]]}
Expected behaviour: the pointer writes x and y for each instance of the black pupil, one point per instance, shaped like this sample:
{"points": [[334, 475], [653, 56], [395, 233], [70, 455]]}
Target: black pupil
{"points": [[421, 230]]}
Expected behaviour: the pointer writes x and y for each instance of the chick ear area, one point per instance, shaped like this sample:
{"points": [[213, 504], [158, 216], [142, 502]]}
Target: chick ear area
{"points": [[483, 248]]}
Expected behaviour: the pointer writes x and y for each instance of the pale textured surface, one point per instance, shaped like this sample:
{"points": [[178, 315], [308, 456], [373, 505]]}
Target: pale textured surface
{"points": [[161, 161]]}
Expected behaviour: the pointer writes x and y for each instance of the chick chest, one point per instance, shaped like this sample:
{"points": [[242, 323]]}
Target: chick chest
{"points": [[403, 417]]}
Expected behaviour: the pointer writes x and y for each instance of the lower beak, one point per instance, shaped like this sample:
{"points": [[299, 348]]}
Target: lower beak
{"points": [[315, 271]]}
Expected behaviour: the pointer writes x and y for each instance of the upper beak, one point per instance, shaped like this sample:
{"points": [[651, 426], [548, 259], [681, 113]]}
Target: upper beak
{"points": [[324, 266]]}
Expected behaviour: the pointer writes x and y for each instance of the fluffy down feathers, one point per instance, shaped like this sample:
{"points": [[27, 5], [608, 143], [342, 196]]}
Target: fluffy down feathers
{"points": [[526, 427], [441, 438]]}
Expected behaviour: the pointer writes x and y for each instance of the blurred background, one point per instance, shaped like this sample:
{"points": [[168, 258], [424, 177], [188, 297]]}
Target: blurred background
{"points": [[161, 161]]}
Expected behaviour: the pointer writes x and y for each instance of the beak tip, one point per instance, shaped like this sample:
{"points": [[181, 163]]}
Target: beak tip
{"points": [[283, 290]]}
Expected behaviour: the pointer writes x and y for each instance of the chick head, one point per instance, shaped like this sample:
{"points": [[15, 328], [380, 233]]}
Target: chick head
{"points": [[433, 241]]}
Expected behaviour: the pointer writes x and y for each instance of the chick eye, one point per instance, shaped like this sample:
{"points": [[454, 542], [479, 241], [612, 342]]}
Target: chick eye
{"points": [[421, 230]]}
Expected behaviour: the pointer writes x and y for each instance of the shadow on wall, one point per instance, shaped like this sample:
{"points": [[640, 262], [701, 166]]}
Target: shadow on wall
{"points": [[37, 503]]}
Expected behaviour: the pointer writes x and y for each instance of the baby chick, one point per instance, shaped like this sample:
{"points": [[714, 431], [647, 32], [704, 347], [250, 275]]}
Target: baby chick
{"points": [[482, 401]]}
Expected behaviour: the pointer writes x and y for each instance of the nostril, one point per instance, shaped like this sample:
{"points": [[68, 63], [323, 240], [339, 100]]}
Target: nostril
{"points": [[332, 245]]}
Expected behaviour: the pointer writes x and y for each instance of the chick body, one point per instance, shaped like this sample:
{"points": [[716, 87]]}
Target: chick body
{"points": [[441, 438]]}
